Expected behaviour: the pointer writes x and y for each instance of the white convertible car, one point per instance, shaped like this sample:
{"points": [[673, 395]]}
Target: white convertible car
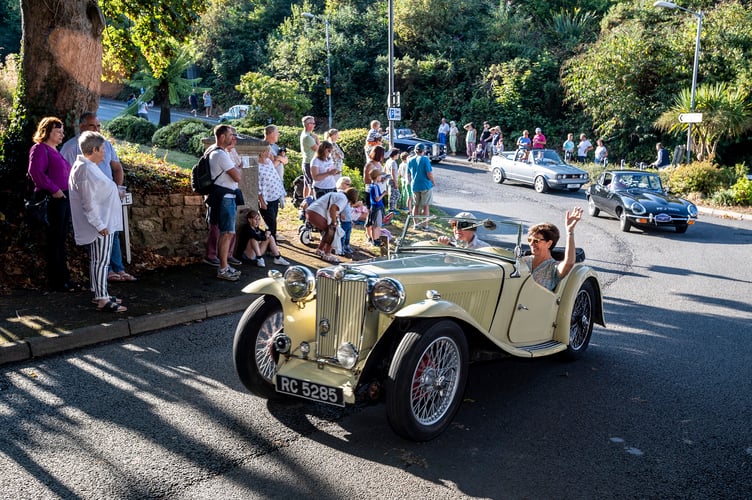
{"points": [[542, 168]]}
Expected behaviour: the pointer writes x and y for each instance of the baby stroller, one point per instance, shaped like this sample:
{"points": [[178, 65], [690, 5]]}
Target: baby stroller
{"points": [[297, 191], [305, 230]]}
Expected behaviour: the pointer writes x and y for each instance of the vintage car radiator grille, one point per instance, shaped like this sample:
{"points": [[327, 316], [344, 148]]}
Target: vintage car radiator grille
{"points": [[343, 304]]}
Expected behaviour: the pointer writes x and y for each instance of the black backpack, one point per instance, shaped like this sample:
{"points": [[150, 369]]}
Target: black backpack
{"points": [[201, 178]]}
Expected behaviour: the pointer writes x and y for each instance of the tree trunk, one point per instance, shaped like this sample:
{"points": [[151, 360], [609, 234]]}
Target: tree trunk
{"points": [[163, 96], [62, 58], [60, 75]]}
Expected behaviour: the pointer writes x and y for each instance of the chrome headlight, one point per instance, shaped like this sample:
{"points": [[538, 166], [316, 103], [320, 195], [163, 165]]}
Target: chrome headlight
{"points": [[387, 295], [637, 208], [299, 282], [347, 355], [692, 210]]}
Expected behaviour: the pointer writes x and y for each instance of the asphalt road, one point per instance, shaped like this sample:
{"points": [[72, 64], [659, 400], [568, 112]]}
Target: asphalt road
{"points": [[110, 108], [659, 407]]}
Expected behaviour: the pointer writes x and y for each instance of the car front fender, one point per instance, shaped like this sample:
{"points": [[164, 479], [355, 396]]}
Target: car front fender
{"points": [[300, 317], [438, 309], [577, 276]]}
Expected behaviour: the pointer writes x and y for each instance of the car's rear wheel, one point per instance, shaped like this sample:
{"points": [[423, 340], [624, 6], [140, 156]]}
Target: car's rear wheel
{"points": [[426, 380], [624, 222], [541, 186], [498, 175], [581, 321], [253, 348], [681, 228], [591, 208]]}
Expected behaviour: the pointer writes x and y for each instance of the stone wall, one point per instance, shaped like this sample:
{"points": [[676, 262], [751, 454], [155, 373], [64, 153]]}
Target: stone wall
{"points": [[174, 225]]}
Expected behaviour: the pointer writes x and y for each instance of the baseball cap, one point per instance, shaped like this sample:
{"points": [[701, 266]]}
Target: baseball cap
{"points": [[463, 224], [537, 129], [420, 147]]}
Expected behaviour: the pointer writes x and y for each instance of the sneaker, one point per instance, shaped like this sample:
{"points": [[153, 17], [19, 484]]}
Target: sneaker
{"points": [[234, 271], [226, 274], [212, 262], [280, 261], [260, 262], [233, 261]]}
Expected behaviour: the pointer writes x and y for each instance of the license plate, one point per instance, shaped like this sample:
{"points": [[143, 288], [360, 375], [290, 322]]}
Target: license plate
{"points": [[570, 186], [310, 390]]}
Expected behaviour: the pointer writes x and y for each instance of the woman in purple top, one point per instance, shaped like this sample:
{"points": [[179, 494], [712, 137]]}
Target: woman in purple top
{"points": [[49, 171]]}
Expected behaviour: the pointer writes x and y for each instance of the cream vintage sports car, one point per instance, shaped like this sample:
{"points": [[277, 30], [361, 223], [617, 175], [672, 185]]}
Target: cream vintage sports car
{"points": [[403, 328]]}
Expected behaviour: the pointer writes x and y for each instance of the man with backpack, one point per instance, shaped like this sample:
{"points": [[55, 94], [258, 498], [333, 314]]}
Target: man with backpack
{"points": [[222, 198]]}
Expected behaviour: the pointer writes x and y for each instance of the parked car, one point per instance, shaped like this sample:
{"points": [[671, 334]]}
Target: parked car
{"points": [[406, 139], [235, 112], [637, 198], [541, 168], [402, 329]]}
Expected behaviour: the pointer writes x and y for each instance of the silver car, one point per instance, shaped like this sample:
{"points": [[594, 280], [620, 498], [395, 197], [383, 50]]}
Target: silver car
{"points": [[541, 168]]}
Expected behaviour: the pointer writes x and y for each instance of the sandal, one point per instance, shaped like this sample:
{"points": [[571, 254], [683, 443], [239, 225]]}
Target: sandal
{"points": [[112, 307], [330, 258], [112, 299], [126, 277], [319, 252], [113, 276]]}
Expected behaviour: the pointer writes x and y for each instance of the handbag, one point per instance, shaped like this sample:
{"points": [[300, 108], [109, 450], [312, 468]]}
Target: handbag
{"points": [[36, 208]]}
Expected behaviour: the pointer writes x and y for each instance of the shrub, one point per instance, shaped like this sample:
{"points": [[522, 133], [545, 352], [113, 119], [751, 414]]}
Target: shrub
{"points": [[723, 198], [118, 126], [140, 131], [352, 142], [147, 174], [179, 135], [742, 191], [697, 177]]}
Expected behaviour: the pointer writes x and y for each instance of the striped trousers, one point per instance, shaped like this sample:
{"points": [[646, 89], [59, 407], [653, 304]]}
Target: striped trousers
{"points": [[99, 254]]}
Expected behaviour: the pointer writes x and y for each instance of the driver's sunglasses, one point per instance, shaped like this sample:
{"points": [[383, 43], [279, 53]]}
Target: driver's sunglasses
{"points": [[463, 225]]}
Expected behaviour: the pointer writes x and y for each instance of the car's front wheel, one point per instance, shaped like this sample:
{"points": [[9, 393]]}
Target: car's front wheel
{"points": [[591, 208], [253, 348], [498, 175], [581, 321], [624, 222], [426, 380], [541, 186]]}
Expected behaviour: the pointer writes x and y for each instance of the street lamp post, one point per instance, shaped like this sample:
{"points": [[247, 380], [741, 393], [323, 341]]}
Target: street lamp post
{"points": [[698, 14], [328, 63]]}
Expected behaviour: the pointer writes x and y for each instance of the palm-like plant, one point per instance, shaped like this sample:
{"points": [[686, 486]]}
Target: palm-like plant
{"points": [[171, 87], [726, 113]]}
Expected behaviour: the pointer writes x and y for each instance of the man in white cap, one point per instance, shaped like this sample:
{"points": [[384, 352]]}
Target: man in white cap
{"points": [[464, 227], [539, 140]]}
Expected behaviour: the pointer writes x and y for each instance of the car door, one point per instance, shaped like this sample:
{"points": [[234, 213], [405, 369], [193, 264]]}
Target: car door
{"points": [[517, 167], [535, 314], [600, 192]]}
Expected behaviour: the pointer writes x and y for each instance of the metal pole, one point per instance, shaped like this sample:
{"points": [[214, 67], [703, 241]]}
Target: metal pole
{"points": [[328, 71], [390, 97], [694, 81]]}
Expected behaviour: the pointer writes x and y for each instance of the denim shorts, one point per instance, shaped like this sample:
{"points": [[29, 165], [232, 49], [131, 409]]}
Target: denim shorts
{"points": [[227, 212]]}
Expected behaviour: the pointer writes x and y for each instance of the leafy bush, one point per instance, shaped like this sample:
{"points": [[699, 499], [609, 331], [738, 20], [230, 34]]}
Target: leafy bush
{"points": [[697, 177], [118, 126], [352, 142], [179, 135], [742, 191], [146, 174], [140, 131], [723, 198]]}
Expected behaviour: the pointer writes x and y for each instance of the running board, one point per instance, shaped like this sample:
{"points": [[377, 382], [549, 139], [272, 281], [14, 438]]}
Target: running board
{"points": [[536, 350]]}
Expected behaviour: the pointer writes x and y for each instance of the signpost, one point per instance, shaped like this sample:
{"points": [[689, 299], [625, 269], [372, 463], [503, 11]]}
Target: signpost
{"points": [[690, 118], [126, 200]]}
